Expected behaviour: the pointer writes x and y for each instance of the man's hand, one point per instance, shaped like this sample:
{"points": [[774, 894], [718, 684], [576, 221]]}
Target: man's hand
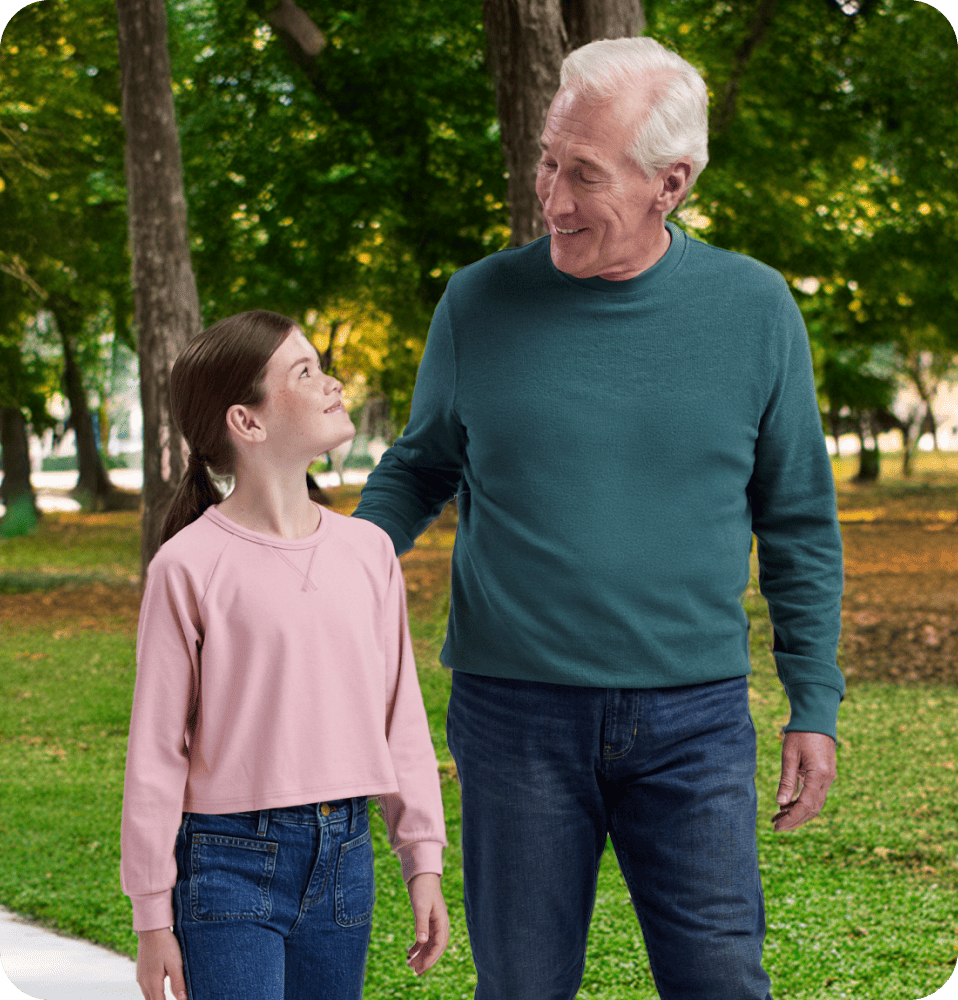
{"points": [[808, 769], [432, 922], [158, 956]]}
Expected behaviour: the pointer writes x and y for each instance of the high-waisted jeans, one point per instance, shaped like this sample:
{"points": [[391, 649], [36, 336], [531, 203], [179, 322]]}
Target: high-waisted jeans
{"points": [[547, 771], [277, 904]]}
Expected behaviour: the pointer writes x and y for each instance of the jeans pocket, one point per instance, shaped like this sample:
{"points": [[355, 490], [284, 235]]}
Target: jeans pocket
{"points": [[355, 882], [230, 877]]}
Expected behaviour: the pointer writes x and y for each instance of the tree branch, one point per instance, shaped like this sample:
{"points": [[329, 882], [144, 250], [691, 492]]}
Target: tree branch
{"points": [[294, 22], [757, 29]]}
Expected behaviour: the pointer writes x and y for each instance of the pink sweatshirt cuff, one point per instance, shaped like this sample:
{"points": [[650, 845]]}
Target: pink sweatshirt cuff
{"points": [[153, 912], [420, 857]]}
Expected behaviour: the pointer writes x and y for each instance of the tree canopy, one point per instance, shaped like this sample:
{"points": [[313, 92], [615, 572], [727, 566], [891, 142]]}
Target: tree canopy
{"points": [[341, 170]]}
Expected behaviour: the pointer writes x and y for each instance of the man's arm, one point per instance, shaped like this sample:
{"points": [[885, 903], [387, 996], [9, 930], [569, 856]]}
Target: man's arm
{"points": [[800, 571], [421, 472], [794, 518]]}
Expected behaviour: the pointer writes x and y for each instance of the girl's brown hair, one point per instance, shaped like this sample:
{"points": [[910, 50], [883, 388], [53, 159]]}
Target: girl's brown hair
{"points": [[222, 366]]}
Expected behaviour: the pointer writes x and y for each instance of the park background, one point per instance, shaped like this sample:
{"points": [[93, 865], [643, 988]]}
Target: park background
{"points": [[338, 166]]}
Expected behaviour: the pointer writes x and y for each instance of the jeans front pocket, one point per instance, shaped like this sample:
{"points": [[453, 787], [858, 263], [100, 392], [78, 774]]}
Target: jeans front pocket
{"points": [[230, 877], [355, 882]]}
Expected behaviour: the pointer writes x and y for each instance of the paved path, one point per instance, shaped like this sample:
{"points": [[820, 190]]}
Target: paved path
{"points": [[38, 963]]}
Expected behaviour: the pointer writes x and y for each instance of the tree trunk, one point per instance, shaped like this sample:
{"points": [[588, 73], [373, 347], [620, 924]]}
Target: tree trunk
{"points": [[93, 484], [907, 451], [930, 426], [527, 41], [869, 466], [16, 490], [869, 460], [166, 304]]}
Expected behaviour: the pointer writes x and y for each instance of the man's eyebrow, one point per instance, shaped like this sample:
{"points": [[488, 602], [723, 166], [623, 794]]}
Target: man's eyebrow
{"points": [[578, 159]]}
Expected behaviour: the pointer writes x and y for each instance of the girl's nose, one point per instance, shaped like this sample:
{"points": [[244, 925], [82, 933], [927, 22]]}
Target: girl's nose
{"points": [[332, 384]]}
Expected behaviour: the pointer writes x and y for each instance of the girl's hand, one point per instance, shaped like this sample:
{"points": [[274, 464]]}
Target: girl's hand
{"points": [[158, 956], [432, 922]]}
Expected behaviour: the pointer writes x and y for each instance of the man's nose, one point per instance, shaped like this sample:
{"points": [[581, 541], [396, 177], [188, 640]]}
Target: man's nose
{"points": [[559, 200]]}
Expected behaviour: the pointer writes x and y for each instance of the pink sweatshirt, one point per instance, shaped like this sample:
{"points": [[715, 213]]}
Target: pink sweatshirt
{"points": [[273, 673]]}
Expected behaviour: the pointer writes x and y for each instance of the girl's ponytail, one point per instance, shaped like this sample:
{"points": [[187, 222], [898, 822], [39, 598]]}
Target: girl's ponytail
{"points": [[195, 493], [220, 367]]}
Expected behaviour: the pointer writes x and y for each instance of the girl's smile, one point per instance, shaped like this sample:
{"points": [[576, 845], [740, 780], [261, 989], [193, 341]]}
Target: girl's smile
{"points": [[303, 410]]}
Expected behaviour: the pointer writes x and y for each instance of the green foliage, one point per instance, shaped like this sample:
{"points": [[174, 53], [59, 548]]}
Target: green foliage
{"points": [[368, 174], [356, 181], [63, 238], [837, 165], [63, 214]]}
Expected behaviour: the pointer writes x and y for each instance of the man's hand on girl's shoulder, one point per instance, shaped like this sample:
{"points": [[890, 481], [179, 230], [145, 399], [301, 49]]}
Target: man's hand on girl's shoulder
{"points": [[432, 922]]}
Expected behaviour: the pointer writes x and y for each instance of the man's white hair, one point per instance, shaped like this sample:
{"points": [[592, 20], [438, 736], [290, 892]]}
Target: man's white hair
{"points": [[677, 122]]}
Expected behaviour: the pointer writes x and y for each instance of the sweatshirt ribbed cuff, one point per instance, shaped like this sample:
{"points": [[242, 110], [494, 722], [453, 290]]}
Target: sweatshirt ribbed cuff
{"points": [[814, 709], [420, 857], [153, 912], [814, 688]]}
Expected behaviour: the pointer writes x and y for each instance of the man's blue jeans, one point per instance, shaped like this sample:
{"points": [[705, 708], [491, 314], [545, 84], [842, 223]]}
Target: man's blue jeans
{"points": [[277, 904], [547, 771]]}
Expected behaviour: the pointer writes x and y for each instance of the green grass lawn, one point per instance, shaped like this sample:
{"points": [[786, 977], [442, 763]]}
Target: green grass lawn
{"points": [[862, 903]]}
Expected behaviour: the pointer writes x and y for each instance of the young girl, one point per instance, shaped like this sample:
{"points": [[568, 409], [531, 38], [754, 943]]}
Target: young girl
{"points": [[275, 691]]}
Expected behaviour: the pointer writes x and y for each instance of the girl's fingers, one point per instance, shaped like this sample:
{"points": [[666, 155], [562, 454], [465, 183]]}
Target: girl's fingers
{"points": [[423, 955]]}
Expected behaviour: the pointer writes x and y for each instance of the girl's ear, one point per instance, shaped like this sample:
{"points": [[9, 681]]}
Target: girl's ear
{"points": [[244, 426]]}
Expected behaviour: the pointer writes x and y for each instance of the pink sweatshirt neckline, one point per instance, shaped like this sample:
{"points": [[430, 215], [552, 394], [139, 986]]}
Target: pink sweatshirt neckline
{"points": [[261, 538]]}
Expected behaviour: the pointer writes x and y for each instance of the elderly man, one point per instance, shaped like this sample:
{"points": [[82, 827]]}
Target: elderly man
{"points": [[617, 408]]}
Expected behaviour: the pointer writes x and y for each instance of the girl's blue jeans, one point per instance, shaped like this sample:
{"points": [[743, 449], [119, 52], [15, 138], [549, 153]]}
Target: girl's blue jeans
{"points": [[548, 771], [277, 904]]}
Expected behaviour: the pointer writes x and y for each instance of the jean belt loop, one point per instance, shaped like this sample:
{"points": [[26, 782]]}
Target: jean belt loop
{"points": [[355, 812], [263, 823]]}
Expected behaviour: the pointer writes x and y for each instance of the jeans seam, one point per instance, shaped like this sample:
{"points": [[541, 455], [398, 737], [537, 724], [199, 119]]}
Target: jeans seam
{"points": [[607, 755]]}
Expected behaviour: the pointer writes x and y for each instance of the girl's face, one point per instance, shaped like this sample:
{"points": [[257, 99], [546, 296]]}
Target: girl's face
{"points": [[303, 411]]}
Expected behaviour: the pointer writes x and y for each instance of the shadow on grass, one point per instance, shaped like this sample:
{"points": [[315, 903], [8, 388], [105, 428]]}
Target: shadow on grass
{"points": [[28, 583]]}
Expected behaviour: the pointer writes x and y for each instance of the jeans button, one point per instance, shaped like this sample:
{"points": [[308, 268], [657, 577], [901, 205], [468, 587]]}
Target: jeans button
{"points": [[324, 809]]}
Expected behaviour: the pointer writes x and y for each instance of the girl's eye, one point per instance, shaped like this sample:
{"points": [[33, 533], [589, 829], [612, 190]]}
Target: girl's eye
{"points": [[305, 372]]}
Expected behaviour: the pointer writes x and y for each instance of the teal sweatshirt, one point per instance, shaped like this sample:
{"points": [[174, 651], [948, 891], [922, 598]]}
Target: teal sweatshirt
{"points": [[613, 446]]}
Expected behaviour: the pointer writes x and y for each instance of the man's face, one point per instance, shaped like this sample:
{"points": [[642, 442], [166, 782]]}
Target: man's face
{"points": [[604, 217]]}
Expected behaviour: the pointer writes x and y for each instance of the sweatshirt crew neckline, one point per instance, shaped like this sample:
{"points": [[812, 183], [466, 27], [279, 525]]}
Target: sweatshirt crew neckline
{"points": [[643, 281], [260, 538]]}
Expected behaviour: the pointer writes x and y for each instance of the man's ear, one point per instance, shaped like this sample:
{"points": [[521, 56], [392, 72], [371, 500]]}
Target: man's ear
{"points": [[244, 426], [675, 182]]}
